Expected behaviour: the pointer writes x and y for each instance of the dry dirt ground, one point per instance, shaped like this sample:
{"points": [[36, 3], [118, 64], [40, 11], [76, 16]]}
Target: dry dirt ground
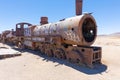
{"points": [[31, 66]]}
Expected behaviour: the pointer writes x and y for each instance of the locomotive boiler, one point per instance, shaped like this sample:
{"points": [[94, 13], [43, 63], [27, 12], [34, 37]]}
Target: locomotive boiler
{"points": [[78, 30]]}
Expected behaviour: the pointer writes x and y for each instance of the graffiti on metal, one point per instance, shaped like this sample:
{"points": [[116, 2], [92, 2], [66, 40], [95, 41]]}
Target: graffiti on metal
{"points": [[27, 32], [71, 35], [28, 43], [38, 39]]}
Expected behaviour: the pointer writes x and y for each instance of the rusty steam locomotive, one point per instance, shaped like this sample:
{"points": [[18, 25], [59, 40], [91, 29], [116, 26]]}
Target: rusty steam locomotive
{"points": [[69, 38]]}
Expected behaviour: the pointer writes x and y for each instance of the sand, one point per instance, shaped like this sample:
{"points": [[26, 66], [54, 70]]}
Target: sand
{"points": [[31, 66]]}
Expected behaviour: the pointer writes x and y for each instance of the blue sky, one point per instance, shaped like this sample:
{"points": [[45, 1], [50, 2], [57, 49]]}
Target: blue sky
{"points": [[106, 12]]}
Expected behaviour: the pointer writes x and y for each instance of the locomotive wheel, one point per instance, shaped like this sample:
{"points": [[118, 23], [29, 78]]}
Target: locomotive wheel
{"points": [[59, 53], [49, 52], [42, 50]]}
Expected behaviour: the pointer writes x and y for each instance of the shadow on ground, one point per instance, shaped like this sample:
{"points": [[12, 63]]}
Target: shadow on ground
{"points": [[4, 48], [98, 69]]}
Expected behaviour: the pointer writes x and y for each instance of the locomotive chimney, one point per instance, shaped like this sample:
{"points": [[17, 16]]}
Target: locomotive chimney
{"points": [[44, 20], [79, 7]]}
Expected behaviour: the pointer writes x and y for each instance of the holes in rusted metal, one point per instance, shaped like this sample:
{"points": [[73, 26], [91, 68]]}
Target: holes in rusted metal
{"points": [[65, 45], [55, 44], [72, 29], [83, 50]]}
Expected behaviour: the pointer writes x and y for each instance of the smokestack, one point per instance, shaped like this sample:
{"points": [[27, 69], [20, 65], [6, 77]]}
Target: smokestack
{"points": [[79, 7], [44, 20]]}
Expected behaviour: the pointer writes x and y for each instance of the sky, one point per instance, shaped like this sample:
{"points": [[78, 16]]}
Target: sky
{"points": [[105, 12]]}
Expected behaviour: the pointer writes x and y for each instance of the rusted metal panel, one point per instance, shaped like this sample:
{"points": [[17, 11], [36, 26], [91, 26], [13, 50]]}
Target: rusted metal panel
{"points": [[27, 32], [28, 43], [84, 55], [41, 30]]}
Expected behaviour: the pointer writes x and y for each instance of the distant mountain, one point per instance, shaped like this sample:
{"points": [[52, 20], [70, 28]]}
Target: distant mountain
{"points": [[113, 34], [102, 35], [117, 34]]}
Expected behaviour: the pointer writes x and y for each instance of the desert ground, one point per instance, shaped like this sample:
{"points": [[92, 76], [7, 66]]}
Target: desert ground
{"points": [[31, 66]]}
